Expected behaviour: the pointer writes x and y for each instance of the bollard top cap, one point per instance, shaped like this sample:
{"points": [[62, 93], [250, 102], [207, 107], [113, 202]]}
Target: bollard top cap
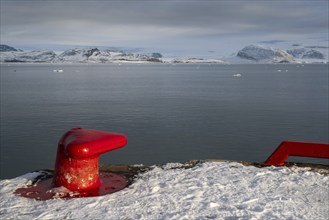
{"points": [[83, 143]]}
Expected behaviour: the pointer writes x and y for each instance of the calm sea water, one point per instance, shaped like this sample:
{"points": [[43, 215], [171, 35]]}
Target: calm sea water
{"points": [[170, 113]]}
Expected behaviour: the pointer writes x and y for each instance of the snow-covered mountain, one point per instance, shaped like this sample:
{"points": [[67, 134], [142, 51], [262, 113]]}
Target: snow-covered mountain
{"points": [[262, 54], [95, 55], [248, 54], [91, 55], [6, 48], [306, 53], [27, 57], [265, 54]]}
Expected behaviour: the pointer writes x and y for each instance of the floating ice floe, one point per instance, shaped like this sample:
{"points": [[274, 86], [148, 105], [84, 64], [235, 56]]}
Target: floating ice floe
{"points": [[58, 71]]}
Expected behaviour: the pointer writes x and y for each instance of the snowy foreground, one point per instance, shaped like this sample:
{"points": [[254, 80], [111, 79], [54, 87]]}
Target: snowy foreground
{"points": [[212, 190]]}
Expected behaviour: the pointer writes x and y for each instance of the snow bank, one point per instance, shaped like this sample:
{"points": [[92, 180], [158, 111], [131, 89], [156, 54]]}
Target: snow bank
{"points": [[212, 190]]}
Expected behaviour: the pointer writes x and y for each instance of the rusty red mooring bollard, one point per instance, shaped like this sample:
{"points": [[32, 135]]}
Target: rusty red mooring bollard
{"points": [[77, 157], [76, 167]]}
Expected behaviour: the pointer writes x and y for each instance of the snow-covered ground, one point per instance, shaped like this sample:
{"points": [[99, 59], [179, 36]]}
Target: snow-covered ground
{"points": [[211, 190]]}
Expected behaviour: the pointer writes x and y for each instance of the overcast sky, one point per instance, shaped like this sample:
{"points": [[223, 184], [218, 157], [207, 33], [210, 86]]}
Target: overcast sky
{"points": [[189, 27]]}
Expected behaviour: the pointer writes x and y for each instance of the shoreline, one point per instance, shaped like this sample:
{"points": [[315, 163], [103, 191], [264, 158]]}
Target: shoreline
{"points": [[132, 171], [149, 63]]}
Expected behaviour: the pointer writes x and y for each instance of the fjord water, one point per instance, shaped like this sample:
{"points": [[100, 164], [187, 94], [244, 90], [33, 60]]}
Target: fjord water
{"points": [[170, 113]]}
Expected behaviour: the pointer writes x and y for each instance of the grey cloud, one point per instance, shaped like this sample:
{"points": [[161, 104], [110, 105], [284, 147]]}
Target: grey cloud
{"points": [[149, 21]]}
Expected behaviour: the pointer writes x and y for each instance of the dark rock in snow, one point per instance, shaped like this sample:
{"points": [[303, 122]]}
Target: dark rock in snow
{"points": [[306, 53], [6, 48], [313, 54]]}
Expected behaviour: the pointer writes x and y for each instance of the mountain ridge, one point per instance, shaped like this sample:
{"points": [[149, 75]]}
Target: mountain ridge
{"points": [[249, 54]]}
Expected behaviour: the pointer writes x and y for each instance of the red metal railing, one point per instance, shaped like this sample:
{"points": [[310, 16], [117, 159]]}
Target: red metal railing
{"points": [[299, 149]]}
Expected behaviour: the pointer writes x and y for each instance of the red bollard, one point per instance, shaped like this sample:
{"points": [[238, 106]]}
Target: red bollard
{"points": [[76, 167], [299, 149], [77, 157]]}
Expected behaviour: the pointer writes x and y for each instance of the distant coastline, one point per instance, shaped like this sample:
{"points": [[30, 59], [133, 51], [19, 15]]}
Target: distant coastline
{"points": [[252, 54]]}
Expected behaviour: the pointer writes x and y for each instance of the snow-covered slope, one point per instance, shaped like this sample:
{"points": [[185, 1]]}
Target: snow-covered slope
{"points": [[91, 55], [95, 55], [6, 48], [193, 60], [306, 53], [27, 57], [263, 54], [212, 190], [248, 54]]}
